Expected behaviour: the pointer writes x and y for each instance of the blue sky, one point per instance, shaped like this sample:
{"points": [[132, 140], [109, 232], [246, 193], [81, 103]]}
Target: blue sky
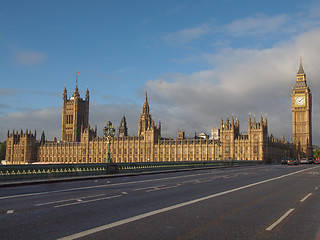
{"points": [[198, 60]]}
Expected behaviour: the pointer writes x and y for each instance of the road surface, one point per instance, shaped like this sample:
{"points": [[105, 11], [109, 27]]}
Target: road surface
{"points": [[252, 202]]}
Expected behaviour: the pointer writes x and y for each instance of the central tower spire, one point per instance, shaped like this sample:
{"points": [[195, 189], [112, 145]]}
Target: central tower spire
{"points": [[145, 117], [147, 127], [145, 109]]}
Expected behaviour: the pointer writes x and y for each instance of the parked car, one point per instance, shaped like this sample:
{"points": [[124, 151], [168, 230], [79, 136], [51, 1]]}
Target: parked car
{"points": [[304, 161], [311, 160], [284, 160], [292, 162], [317, 160]]}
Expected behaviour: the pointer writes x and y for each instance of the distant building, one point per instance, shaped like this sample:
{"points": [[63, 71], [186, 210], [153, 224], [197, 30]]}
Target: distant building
{"points": [[215, 132], [21, 147], [123, 130], [203, 136], [80, 144]]}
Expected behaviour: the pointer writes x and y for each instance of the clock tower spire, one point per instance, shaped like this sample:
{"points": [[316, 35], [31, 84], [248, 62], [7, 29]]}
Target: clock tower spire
{"points": [[301, 101]]}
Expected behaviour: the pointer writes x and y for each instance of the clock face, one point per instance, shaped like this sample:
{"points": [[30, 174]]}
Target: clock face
{"points": [[300, 101]]}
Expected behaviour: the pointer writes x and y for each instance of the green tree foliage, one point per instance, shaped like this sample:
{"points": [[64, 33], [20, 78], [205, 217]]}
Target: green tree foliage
{"points": [[316, 153], [3, 150]]}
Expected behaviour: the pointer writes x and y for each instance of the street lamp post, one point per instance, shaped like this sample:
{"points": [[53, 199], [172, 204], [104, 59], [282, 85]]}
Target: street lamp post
{"points": [[218, 148], [109, 133]]}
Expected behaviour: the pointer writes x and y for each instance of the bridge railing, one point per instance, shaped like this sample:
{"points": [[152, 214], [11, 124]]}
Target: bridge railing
{"points": [[154, 166], [43, 171], [49, 171]]}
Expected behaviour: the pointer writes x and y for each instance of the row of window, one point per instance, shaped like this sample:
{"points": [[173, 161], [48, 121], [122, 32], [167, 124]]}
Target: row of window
{"points": [[161, 159], [69, 119], [255, 150], [255, 137], [125, 151], [167, 151]]}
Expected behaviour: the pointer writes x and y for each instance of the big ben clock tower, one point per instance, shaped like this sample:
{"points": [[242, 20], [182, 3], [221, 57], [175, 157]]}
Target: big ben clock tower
{"points": [[301, 101]]}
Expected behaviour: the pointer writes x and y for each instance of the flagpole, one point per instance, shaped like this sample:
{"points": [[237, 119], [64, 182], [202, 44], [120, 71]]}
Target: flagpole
{"points": [[77, 76]]}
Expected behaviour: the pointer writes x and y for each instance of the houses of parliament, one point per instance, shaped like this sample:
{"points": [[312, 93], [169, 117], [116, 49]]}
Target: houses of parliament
{"points": [[81, 144]]}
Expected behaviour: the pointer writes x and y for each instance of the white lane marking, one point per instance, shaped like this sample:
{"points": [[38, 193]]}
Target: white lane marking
{"points": [[197, 181], [227, 176], [124, 193], [99, 186], [9, 211], [189, 181], [162, 188], [111, 185], [68, 200], [316, 188], [303, 199], [162, 210], [93, 200], [145, 188], [202, 181], [279, 220], [118, 184]]}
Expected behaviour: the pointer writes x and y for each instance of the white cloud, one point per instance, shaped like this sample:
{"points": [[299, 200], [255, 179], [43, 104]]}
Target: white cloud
{"points": [[187, 35], [29, 57], [48, 119], [245, 81], [8, 91], [100, 114], [176, 9], [258, 25], [239, 81]]}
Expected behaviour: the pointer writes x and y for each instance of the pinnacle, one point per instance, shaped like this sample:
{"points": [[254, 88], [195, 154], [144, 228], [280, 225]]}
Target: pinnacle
{"points": [[300, 71]]}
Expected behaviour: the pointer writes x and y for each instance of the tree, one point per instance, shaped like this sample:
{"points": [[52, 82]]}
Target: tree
{"points": [[3, 150], [316, 153]]}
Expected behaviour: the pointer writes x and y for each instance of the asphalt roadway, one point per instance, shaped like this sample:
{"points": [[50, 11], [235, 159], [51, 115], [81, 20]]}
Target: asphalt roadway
{"points": [[252, 202]]}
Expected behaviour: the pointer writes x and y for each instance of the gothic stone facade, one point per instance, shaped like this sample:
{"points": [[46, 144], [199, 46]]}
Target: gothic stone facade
{"points": [[301, 100], [80, 144], [21, 147], [149, 145], [75, 116]]}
